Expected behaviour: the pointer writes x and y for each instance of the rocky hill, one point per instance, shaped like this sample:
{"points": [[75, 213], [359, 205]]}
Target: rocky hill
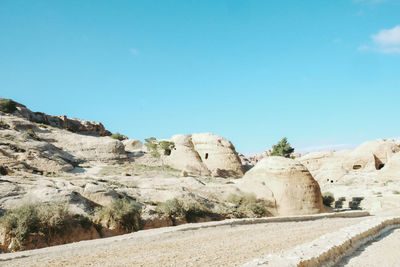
{"points": [[92, 184]]}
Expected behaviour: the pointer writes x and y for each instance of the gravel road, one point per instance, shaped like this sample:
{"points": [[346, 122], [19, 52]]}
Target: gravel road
{"points": [[215, 246]]}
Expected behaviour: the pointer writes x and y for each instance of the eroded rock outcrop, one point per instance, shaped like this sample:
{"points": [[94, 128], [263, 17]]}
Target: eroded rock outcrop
{"points": [[391, 170], [132, 145], [185, 157], [287, 183], [372, 155], [218, 154], [62, 122]]}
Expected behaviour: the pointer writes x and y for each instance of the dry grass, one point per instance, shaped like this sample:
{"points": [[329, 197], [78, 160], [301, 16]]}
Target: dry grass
{"points": [[121, 214]]}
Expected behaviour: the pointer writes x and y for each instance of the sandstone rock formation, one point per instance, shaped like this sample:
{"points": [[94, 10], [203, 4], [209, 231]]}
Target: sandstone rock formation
{"points": [[218, 154], [372, 155], [391, 170], [185, 157], [62, 122], [132, 145], [287, 183], [90, 148]]}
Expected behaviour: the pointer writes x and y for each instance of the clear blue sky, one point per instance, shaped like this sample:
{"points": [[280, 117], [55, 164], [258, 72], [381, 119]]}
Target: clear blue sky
{"points": [[322, 72]]}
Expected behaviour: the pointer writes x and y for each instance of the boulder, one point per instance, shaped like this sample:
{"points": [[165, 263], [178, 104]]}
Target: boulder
{"points": [[132, 145], [90, 148], [286, 182], [185, 157], [99, 194], [218, 154]]}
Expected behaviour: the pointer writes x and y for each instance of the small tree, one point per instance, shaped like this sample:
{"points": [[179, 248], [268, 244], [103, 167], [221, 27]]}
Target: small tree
{"points": [[282, 148], [152, 146], [167, 146]]}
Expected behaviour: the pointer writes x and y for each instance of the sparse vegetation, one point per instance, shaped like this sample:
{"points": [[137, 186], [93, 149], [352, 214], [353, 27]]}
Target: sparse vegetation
{"points": [[152, 146], [189, 209], [118, 136], [46, 219], [167, 146], [247, 205], [8, 105], [396, 192], [328, 198], [32, 134], [122, 214], [282, 148]]}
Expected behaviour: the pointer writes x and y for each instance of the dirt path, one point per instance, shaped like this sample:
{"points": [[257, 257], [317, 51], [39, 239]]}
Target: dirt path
{"points": [[384, 251], [217, 246]]}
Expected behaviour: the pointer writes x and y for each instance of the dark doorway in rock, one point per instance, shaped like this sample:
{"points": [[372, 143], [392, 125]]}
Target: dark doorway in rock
{"points": [[167, 152], [380, 166], [206, 156], [356, 167]]}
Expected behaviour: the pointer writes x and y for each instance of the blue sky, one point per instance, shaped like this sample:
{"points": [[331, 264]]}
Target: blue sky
{"points": [[322, 73]]}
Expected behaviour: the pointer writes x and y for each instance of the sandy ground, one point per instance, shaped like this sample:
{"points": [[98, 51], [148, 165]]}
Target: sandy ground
{"points": [[384, 251], [218, 246]]}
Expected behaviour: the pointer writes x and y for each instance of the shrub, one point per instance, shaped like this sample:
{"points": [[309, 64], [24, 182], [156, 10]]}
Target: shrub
{"points": [[151, 144], [48, 219], [282, 148], [8, 105], [189, 209], [171, 208], [121, 214], [118, 136], [328, 198], [167, 146], [248, 205]]}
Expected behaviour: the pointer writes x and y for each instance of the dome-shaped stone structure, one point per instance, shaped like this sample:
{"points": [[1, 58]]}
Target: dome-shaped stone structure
{"points": [[287, 183]]}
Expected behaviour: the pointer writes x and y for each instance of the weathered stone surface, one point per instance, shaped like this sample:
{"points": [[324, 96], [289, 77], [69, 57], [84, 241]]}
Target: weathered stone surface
{"points": [[99, 194], [218, 154], [287, 183], [391, 171], [185, 157], [90, 148], [62, 122], [371, 155], [132, 145]]}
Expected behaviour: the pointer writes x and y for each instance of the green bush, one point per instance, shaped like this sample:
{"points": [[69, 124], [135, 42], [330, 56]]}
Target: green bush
{"points": [[167, 147], [191, 210], [118, 136], [171, 208], [248, 205], [7, 105], [48, 219], [152, 146], [282, 148], [121, 214], [328, 198]]}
